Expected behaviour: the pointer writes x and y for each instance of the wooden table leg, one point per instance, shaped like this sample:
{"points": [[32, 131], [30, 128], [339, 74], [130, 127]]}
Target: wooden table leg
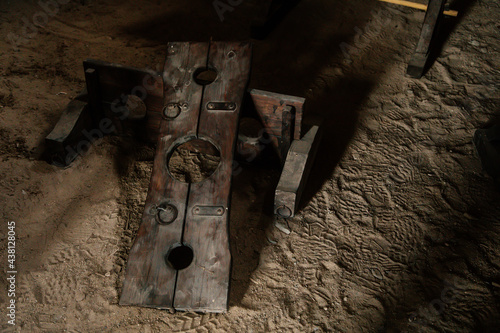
{"points": [[418, 62]]}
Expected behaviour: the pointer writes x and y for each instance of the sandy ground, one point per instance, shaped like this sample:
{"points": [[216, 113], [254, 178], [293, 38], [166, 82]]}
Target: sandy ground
{"points": [[400, 228]]}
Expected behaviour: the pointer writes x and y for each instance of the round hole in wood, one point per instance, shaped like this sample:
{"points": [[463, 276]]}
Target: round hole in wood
{"points": [[180, 257], [193, 161], [204, 76]]}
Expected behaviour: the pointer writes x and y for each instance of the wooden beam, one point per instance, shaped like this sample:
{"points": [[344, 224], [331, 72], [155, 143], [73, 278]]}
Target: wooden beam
{"points": [[149, 281], [181, 257], [418, 62], [418, 6], [271, 109], [204, 285]]}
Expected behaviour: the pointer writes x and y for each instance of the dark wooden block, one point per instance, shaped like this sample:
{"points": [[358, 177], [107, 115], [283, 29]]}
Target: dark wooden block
{"points": [[281, 116], [418, 62]]}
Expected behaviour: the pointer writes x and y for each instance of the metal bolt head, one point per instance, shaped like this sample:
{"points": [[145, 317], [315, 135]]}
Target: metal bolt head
{"points": [[210, 106]]}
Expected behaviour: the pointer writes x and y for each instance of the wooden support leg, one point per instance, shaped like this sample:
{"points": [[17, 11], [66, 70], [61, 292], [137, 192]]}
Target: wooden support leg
{"points": [[65, 142], [418, 62], [295, 173], [287, 129], [93, 89], [121, 87]]}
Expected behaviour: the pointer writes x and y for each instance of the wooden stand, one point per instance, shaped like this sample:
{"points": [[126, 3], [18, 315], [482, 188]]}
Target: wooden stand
{"points": [[181, 257]]}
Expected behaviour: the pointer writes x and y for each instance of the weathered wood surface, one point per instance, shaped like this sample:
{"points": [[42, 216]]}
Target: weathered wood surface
{"points": [[203, 285], [295, 173], [277, 112], [418, 62], [149, 281]]}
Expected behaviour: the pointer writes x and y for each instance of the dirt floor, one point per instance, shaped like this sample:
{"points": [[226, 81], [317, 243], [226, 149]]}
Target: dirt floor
{"points": [[400, 227]]}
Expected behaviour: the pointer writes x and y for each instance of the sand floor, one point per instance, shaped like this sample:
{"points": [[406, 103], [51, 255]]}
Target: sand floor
{"points": [[400, 227]]}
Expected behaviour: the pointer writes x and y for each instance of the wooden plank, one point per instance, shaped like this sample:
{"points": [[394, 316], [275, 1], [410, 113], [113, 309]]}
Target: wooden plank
{"points": [[203, 286], [149, 281], [295, 173], [418, 62], [271, 107]]}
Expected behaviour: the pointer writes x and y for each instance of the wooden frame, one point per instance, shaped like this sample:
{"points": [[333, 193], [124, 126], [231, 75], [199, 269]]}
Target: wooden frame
{"points": [[181, 257]]}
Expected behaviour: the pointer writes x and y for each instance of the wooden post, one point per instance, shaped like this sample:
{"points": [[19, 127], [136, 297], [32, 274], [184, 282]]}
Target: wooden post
{"points": [[295, 173], [418, 62]]}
